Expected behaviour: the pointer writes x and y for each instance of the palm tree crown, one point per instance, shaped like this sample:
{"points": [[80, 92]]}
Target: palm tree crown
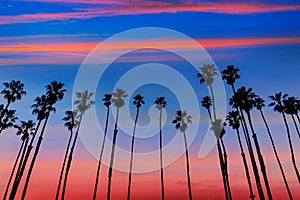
{"points": [[259, 103], [207, 73], [206, 102], [119, 95], [138, 101], [230, 74], [69, 120], [243, 98], [25, 129], [181, 121], [84, 101], [277, 102], [290, 105], [107, 99], [160, 103], [13, 91], [233, 119]]}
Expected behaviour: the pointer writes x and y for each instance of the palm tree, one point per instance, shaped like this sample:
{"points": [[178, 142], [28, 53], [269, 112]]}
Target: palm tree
{"points": [[24, 129], [291, 109], [118, 101], [83, 103], [277, 104], [107, 102], [206, 103], [181, 123], [138, 101], [259, 103], [245, 100], [55, 92], [234, 119], [230, 75], [161, 103], [70, 124]]}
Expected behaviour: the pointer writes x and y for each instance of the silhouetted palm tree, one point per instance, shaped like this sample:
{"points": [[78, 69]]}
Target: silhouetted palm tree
{"points": [[181, 123], [291, 109], [107, 103], [118, 101], [138, 101], [70, 125], [83, 103], [206, 103], [55, 92], [24, 129], [161, 103], [230, 75], [233, 119], [259, 103], [277, 104], [245, 100]]}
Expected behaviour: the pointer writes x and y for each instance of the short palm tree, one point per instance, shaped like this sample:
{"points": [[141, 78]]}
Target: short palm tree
{"points": [[277, 104], [24, 129], [160, 104], [118, 100], [290, 104], [70, 125], [83, 102], [259, 103], [181, 123], [245, 100], [107, 102], [138, 101], [234, 119]]}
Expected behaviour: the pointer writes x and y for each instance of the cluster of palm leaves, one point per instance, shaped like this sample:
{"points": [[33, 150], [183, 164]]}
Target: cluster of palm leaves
{"points": [[243, 102]]}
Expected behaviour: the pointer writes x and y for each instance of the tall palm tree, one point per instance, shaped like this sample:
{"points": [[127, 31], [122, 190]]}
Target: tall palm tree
{"points": [[24, 129], [290, 104], [70, 125], [181, 123], [245, 100], [118, 101], [161, 103], [107, 102], [259, 103], [277, 104], [234, 119], [83, 103], [230, 75], [138, 101], [55, 92]]}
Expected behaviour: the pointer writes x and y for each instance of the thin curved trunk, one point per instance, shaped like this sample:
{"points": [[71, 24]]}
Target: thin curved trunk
{"points": [[131, 155], [296, 126], [260, 158], [70, 159], [187, 167], [14, 168], [226, 168], [23, 155], [252, 196], [222, 169], [161, 158], [297, 115], [22, 165], [63, 165], [101, 154], [276, 155], [213, 102], [112, 155], [291, 147], [34, 158]]}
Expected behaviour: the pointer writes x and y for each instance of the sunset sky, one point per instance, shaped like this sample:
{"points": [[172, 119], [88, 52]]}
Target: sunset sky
{"points": [[45, 40]]}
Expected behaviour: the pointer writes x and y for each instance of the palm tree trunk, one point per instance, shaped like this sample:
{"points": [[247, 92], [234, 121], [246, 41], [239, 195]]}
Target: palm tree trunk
{"points": [[112, 155], [131, 155], [252, 196], [23, 155], [101, 154], [161, 158], [70, 158], [297, 115], [276, 155], [34, 158], [187, 167], [14, 168], [296, 126], [260, 158], [22, 165], [226, 168], [63, 165], [213, 102], [291, 147], [222, 169]]}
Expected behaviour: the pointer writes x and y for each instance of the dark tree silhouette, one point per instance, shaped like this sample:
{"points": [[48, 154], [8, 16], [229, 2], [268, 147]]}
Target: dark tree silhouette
{"points": [[8, 120], [161, 103], [181, 123], [290, 104], [70, 125], [82, 103], [118, 101], [138, 101], [107, 102], [259, 103], [245, 100], [277, 104], [24, 129], [234, 119]]}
